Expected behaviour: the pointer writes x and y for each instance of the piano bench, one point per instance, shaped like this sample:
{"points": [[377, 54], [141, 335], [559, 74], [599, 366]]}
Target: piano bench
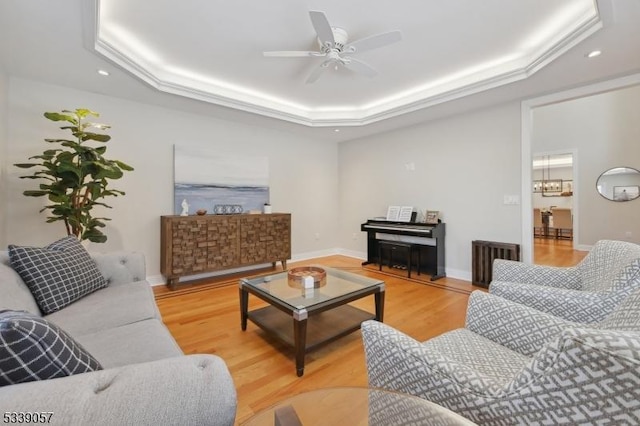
{"points": [[392, 246]]}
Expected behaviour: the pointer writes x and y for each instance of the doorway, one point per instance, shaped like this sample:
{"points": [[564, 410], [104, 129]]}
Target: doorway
{"points": [[552, 199], [527, 133]]}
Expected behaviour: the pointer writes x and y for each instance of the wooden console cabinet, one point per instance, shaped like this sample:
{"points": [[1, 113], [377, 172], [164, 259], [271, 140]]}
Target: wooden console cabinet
{"points": [[192, 245]]}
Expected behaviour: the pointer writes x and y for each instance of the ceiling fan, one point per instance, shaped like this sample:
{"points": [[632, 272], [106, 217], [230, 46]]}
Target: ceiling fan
{"points": [[336, 49]]}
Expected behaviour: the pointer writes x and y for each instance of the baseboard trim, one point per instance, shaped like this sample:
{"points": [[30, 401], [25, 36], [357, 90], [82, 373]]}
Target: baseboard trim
{"points": [[155, 280]]}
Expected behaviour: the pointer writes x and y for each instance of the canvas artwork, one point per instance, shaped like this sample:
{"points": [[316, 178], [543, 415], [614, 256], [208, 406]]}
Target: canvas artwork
{"points": [[203, 179]]}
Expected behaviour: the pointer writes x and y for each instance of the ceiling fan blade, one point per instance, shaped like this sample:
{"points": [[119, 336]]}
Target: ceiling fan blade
{"points": [[292, 54], [315, 75], [360, 67], [373, 42], [322, 27]]}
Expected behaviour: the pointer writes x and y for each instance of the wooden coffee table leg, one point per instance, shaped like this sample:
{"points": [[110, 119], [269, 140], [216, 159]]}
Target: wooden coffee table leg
{"points": [[244, 308], [300, 341], [379, 296]]}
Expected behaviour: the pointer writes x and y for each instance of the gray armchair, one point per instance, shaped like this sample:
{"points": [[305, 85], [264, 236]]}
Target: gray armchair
{"points": [[586, 293], [512, 364]]}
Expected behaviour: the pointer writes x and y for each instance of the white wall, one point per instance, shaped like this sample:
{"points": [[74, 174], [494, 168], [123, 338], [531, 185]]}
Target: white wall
{"points": [[464, 165], [604, 131], [4, 93], [143, 136]]}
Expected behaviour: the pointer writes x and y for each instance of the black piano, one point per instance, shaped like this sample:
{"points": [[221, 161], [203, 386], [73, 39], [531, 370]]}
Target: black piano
{"points": [[427, 238]]}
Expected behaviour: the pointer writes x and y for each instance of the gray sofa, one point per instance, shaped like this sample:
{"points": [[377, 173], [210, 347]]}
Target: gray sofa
{"points": [[146, 379]]}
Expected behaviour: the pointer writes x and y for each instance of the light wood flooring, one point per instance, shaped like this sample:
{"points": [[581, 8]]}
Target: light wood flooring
{"points": [[205, 318], [549, 251]]}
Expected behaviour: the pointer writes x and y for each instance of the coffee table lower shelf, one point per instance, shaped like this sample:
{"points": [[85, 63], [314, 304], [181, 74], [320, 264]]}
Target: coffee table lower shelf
{"points": [[322, 328]]}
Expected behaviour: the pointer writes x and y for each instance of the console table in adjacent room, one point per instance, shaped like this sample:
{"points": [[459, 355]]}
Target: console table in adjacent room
{"points": [[192, 245]]}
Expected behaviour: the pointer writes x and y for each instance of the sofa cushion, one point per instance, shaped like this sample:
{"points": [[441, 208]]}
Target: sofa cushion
{"points": [[106, 308], [58, 274], [131, 344], [607, 264], [15, 293], [493, 362], [626, 316], [32, 348]]}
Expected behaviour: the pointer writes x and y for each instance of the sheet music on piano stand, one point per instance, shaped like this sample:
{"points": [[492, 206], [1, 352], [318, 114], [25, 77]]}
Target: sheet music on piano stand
{"points": [[405, 214], [393, 212], [399, 214]]}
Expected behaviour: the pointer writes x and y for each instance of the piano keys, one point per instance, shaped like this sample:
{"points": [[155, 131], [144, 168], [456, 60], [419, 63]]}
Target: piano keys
{"points": [[427, 238]]}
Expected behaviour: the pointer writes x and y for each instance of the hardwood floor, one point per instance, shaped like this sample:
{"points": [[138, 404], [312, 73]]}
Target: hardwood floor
{"points": [[205, 318], [552, 252]]}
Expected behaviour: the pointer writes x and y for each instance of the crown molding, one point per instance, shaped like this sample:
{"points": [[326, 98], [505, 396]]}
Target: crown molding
{"points": [[433, 93]]}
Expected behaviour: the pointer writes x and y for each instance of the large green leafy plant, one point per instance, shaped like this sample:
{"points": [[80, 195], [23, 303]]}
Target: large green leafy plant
{"points": [[76, 175]]}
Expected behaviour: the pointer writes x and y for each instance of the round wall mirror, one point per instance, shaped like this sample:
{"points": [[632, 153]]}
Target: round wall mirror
{"points": [[619, 184]]}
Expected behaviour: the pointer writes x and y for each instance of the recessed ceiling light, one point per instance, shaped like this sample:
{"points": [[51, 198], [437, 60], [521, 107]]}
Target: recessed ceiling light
{"points": [[593, 54], [103, 72], [336, 130]]}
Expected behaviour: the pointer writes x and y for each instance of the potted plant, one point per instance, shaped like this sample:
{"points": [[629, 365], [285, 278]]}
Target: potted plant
{"points": [[76, 175]]}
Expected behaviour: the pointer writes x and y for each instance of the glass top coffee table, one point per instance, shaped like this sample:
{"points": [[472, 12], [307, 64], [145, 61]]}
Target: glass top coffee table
{"points": [[355, 406], [306, 318]]}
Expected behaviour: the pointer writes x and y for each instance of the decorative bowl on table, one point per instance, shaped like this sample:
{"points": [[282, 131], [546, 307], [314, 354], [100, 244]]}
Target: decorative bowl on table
{"points": [[297, 275]]}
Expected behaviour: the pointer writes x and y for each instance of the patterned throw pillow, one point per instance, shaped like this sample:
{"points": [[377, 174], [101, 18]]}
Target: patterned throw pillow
{"points": [[58, 274], [32, 348]]}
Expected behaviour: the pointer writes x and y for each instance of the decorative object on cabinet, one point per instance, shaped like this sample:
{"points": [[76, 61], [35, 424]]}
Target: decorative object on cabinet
{"points": [[185, 208], [431, 217], [200, 244], [227, 209], [206, 179]]}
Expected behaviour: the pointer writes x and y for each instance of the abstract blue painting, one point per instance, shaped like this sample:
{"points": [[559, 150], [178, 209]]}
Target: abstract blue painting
{"points": [[205, 179]]}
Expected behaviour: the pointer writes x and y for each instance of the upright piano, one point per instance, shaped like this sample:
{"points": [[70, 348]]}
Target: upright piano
{"points": [[427, 238]]}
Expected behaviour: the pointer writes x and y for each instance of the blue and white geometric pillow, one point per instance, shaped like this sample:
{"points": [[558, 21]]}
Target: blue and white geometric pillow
{"points": [[32, 348], [58, 274]]}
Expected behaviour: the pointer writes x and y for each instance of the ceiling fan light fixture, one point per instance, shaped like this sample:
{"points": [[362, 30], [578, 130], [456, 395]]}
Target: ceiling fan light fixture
{"points": [[335, 47]]}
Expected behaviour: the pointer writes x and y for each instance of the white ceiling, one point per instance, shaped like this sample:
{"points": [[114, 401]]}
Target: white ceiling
{"points": [[455, 55]]}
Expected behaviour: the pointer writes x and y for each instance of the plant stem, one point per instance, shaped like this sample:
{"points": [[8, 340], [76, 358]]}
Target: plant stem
{"points": [[80, 200], [85, 198]]}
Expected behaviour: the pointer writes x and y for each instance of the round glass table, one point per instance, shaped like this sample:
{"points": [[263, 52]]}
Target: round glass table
{"points": [[355, 406]]}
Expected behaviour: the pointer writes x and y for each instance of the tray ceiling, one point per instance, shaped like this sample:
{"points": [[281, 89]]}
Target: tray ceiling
{"points": [[212, 51]]}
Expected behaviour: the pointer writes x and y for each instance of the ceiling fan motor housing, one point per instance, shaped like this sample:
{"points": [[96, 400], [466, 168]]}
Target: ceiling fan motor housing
{"points": [[340, 37]]}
